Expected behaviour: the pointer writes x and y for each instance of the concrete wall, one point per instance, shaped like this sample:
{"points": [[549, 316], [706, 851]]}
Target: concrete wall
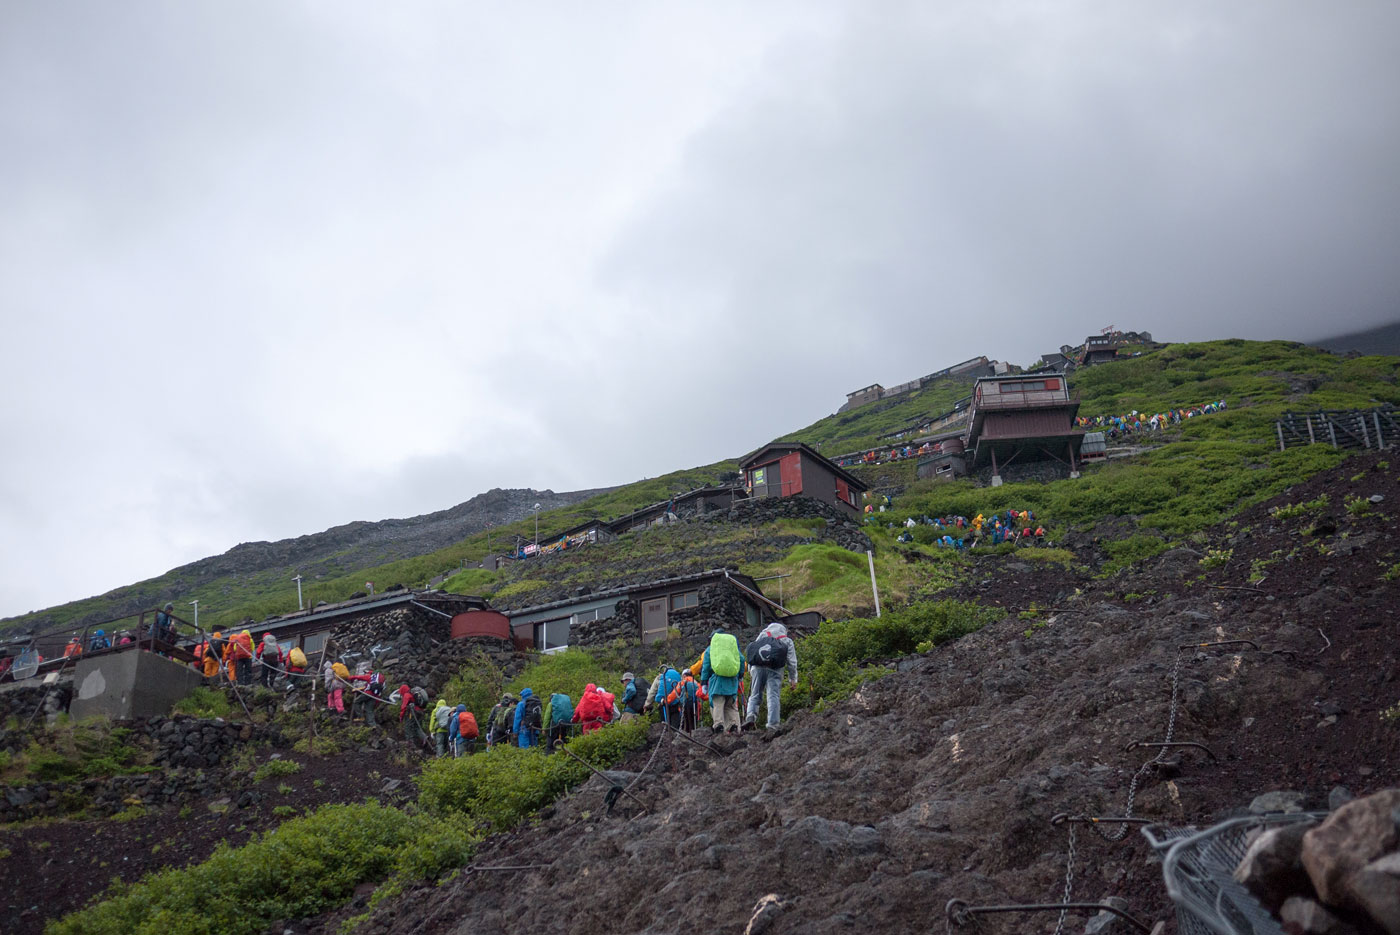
{"points": [[130, 684]]}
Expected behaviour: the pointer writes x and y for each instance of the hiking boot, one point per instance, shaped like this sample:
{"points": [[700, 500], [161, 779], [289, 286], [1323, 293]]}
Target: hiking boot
{"points": [[733, 729], [719, 728], [749, 724]]}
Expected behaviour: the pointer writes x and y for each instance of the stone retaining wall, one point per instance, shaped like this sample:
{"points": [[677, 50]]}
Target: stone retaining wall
{"points": [[187, 751], [417, 648], [1029, 471], [841, 529], [22, 702]]}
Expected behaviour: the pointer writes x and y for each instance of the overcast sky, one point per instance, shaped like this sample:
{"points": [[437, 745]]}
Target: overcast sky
{"points": [[270, 267]]}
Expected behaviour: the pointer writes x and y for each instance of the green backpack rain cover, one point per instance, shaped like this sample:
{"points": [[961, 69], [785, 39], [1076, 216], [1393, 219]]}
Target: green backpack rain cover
{"points": [[724, 655]]}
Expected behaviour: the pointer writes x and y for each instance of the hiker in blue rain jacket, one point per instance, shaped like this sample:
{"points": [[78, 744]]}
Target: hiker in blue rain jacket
{"points": [[528, 735], [724, 693]]}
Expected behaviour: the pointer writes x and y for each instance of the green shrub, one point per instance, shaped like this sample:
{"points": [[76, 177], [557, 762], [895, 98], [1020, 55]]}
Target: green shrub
{"points": [[475, 581], [1047, 556], [478, 684], [1294, 510], [89, 748], [567, 672], [835, 658], [204, 702], [276, 768], [1216, 557], [521, 588], [1358, 506], [303, 868], [497, 790], [1123, 553]]}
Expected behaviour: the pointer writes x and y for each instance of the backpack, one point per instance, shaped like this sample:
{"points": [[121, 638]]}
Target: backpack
{"points": [[376, 684], [683, 693], [724, 655], [442, 718], [297, 657], [561, 709], [533, 714], [669, 680], [340, 671], [639, 696], [466, 726], [420, 697], [498, 721], [767, 652]]}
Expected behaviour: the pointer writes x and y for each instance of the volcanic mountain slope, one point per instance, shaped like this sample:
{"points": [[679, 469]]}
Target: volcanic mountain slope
{"points": [[331, 553], [939, 780]]}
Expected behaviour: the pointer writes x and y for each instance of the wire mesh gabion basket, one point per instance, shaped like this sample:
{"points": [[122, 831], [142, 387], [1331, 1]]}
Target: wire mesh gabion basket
{"points": [[1198, 868]]}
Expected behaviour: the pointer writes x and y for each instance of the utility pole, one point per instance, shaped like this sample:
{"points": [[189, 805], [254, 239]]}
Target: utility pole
{"points": [[196, 612], [537, 527], [297, 579]]}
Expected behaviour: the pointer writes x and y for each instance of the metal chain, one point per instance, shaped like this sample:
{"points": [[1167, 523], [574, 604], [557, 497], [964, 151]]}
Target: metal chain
{"points": [[1122, 830], [654, 751], [1069, 879]]}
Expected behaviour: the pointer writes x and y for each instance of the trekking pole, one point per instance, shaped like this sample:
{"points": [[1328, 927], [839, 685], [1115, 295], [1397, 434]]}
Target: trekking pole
{"points": [[700, 743]]}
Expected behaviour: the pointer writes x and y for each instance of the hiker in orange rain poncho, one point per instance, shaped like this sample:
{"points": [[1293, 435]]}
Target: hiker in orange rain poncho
{"points": [[211, 655]]}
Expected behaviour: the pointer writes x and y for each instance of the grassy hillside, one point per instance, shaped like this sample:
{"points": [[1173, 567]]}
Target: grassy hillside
{"points": [[228, 599], [1199, 473], [844, 432]]}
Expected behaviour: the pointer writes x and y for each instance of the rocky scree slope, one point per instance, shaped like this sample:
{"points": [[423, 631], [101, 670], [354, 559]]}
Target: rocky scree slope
{"points": [[939, 780], [177, 814]]}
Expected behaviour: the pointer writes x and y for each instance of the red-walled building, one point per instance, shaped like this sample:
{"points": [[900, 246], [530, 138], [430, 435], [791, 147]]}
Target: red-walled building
{"points": [[792, 469]]}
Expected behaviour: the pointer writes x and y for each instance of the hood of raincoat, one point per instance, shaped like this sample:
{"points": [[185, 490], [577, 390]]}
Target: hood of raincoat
{"points": [[526, 693], [775, 630]]}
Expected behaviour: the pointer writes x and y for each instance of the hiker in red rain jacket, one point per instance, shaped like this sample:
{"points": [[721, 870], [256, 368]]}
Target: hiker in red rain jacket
{"points": [[410, 707], [592, 711]]}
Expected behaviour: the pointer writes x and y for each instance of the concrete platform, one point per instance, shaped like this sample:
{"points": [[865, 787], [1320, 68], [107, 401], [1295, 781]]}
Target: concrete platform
{"points": [[130, 684]]}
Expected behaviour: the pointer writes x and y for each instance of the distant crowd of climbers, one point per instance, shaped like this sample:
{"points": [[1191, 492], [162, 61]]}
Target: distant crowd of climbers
{"points": [[1115, 426], [881, 455], [1017, 527]]}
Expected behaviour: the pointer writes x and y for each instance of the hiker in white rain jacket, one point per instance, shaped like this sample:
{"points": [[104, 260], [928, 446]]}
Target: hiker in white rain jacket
{"points": [[766, 663]]}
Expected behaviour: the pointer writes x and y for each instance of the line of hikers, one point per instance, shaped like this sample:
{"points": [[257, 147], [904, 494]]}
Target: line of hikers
{"points": [[234, 656], [161, 629], [1147, 421], [529, 720], [1018, 527]]}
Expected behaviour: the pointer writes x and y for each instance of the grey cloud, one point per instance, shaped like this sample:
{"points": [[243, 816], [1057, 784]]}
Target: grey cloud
{"points": [[1004, 182], [274, 267]]}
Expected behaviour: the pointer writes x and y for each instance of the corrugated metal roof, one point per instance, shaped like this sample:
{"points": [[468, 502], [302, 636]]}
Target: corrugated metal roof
{"points": [[628, 589]]}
